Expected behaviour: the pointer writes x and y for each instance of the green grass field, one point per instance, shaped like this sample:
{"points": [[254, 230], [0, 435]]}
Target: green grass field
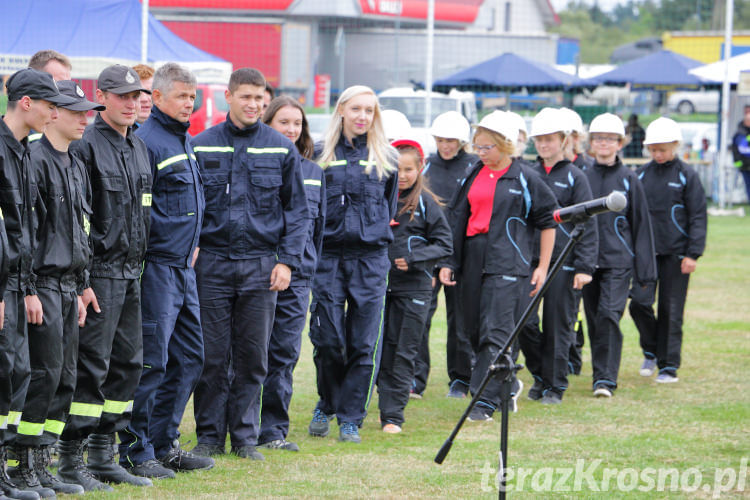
{"points": [[700, 425]]}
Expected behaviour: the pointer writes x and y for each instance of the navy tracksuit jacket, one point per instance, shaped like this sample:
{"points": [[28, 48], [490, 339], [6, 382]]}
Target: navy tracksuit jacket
{"points": [[444, 177], [172, 338], [349, 287], [256, 217], [677, 206], [626, 249], [546, 349], [422, 237]]}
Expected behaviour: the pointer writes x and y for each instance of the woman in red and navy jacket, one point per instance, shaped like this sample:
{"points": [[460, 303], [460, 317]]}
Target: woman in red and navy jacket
{"points": [[346, 314], [421, 236], [677, 205], [494, 216]]}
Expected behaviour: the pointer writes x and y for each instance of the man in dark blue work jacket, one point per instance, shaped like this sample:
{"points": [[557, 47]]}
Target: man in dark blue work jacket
{"points": [[172, 338], [253, 235]]}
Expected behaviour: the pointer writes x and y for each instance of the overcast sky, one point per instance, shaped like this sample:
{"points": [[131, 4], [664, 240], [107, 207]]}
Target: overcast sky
{"points": [[604, 4]]}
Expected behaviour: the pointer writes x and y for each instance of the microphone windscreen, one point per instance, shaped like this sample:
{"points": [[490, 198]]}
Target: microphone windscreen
{"points": [[616, 201]]}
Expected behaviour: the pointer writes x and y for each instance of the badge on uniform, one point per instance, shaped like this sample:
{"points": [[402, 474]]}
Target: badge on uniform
{"points": [[146, 200]]}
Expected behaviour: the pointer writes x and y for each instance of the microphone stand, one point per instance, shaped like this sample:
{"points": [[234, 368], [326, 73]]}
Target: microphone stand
{"points": [[504, 367]]}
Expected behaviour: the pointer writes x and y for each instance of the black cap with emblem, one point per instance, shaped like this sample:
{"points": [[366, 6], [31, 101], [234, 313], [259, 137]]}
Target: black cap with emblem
{"points": [[71, 89], [36, 85], [120, 79]]}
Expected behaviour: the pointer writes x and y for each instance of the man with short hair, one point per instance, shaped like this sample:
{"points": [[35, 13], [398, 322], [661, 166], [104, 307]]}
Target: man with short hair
{"points": [[172, 338], [268, 96], [61, 256], [253, 234], [110, 357], [32, 103], [146, 74], [52, 62]]}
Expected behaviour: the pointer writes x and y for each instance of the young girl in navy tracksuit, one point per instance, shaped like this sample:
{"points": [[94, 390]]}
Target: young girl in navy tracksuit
{"points": [[626, 250], [421, 236], [495, 214], [346, 313], [546, 349], [677, 205], [285, 115]]}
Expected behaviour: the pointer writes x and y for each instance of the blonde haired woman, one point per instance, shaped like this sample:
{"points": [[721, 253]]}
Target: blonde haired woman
{"points": [[350, 281]]}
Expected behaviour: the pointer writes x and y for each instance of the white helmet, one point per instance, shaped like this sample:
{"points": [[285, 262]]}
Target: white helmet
{"points": [[607, 123], [410, 138], [520, 122], [661, 131], [575, 123], [451, 125], [498, 121], [549, 121], [395, 123]]}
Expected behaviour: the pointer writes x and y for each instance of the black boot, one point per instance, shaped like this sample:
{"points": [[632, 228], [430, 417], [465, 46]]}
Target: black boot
{"points": [[24, 476], [102, 462], [72, 469], [7, 488], [42, 461]]}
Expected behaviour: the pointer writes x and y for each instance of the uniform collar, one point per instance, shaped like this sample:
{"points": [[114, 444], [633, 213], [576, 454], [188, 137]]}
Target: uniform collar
{"points": [[169, 123], [111, 134], [235, 130], [6, 135], [616, 164], [358, 142]]}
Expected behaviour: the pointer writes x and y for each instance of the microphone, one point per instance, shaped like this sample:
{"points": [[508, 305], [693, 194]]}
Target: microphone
{"points": [[579, 212]]}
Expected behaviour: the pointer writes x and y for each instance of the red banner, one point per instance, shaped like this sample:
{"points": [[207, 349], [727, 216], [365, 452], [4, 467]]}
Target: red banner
{"points": [[322, 91]]}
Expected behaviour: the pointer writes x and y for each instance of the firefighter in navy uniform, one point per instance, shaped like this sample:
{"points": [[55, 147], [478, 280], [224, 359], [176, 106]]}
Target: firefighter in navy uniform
{"points": [[444, 172], [61, 257], [32, 100], [677, 205], [253, 236], [172, 338], [626, 250], [546, 349], [110, 357]]}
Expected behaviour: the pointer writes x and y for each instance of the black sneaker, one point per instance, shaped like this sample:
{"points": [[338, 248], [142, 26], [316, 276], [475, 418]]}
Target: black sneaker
{"points": [[320, 425], [208, 450], [551, 398], [180, 460], [349, 433], [280, 444], [536, 391], [458, 389], [153, 469], [247, 451], [480, 414]]}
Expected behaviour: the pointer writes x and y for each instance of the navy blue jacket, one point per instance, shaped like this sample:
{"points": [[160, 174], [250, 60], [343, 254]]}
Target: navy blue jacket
{"points": [[625, 238], [422, 241], [445, 177], [61, 216], [677, 205], [15, 205], [120, 179], [522, 204], [359, 206], [177, 205], [570, 186], [255, 195], [315, 191]]}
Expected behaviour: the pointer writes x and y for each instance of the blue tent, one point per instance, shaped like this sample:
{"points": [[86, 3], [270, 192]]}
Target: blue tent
{"points": [[94, 34], [509, 73], [663, 70]]}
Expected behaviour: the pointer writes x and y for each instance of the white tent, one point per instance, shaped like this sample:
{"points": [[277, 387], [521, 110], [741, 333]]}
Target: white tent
{"points": [[715, 71]]}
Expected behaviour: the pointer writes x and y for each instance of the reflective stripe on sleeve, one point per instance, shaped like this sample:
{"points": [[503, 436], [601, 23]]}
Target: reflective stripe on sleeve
{"points": [[213, 149], [171, 160], [312, 182], [260, 151]]}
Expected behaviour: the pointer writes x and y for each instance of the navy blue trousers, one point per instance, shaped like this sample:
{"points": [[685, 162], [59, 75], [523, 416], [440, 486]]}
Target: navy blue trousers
{"points": [[283, 353], [661, 334], [604, 301], [15, 371], [172, 361], [237, 311], [346, 324]]}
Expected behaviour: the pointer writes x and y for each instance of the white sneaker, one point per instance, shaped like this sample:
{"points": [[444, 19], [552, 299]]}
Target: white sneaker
{"points": [[602, 392], [666, 378], [648, 368]]}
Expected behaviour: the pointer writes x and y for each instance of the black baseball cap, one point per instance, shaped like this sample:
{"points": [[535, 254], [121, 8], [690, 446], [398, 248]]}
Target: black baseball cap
{"points": [[120, 79], [71, 89], [35, 84]]}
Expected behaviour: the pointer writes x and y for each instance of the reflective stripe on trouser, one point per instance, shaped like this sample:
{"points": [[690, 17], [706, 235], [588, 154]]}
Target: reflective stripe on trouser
{"points": [[53, 349], [405, 316], [346, 323], [110, 359], [237, 311], [14, 363], [172, 361], [661, 333], [547, 349], [283, 353], [604, 302]]}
